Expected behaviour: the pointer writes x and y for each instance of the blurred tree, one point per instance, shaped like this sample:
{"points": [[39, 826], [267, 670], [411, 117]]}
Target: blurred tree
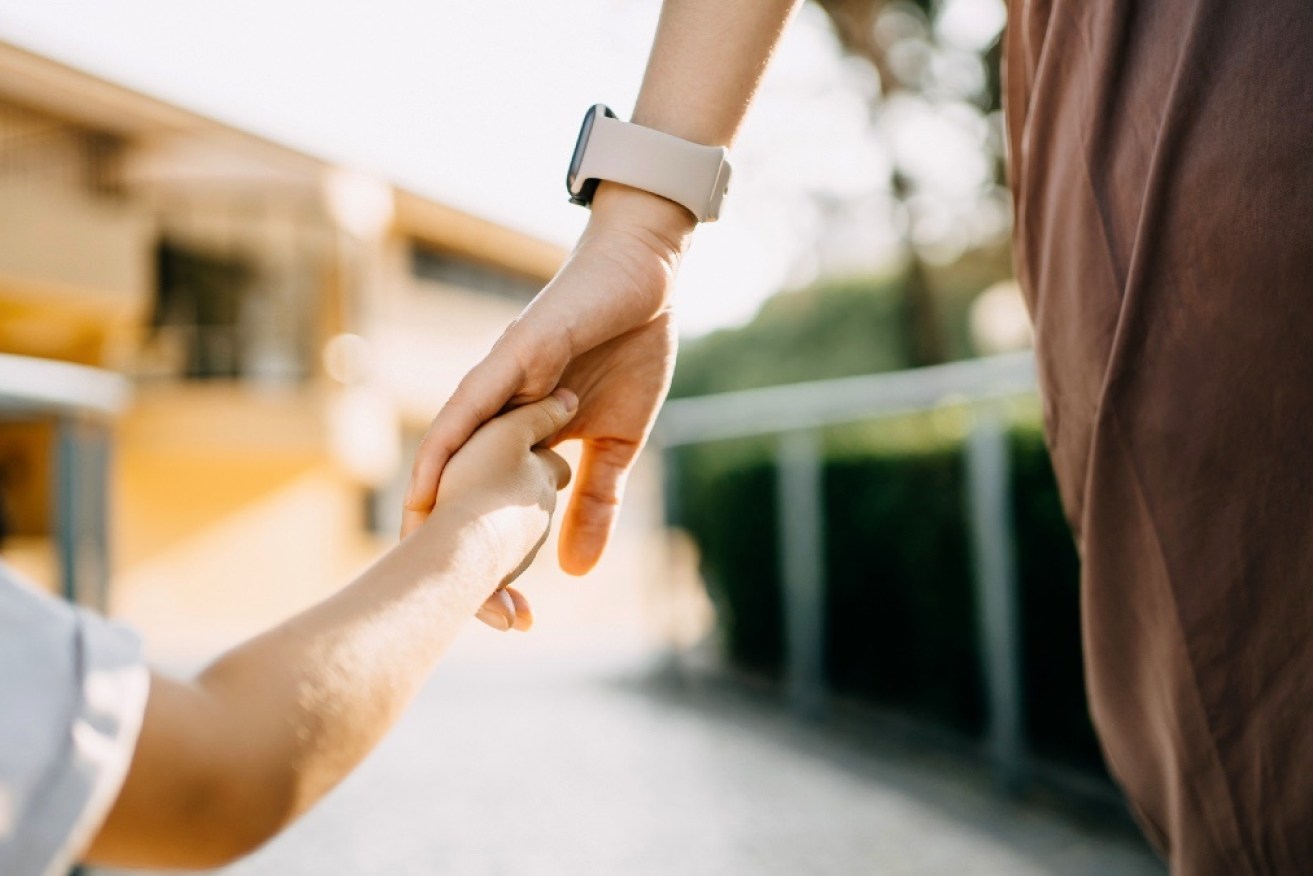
{"points": [[836, 329], [914, 56]]}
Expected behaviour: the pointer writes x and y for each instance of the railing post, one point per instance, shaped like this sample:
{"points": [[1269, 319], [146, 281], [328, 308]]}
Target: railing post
{"points": [[801, 521], [989, 512], [81, 526], [672, 505], [671, 664]]}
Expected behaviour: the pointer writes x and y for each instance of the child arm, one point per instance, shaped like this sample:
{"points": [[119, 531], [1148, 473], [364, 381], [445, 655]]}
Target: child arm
{"points": [[227, 760]]}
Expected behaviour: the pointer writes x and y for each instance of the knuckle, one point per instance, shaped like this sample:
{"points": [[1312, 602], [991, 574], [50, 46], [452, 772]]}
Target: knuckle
{"points": [[541, 421], [417, 504], [428, 454], [539, 383]]}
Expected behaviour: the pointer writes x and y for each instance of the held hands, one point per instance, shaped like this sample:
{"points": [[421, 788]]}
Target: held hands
{"points": [[601, 328], [506, 486]]}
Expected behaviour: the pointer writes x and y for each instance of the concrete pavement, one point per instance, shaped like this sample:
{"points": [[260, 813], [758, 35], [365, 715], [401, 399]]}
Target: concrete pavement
{"points": [[567, 764]]}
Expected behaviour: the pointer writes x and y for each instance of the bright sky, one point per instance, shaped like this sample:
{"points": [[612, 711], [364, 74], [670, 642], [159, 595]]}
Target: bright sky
{"points": [[478, 103]]}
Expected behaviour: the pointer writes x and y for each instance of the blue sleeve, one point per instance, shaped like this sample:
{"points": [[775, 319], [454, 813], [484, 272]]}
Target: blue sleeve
{"points": [[73, 690]]}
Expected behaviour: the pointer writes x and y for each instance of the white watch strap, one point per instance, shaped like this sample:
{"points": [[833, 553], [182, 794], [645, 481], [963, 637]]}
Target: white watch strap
{"points": [[690, 174]]}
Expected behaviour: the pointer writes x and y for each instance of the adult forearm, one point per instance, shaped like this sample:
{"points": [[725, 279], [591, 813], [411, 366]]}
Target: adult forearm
{"points": [[706, 62]]}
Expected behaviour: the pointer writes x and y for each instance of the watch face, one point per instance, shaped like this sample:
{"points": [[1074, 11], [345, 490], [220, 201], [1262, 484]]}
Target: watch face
{"points": [[581, 191]]}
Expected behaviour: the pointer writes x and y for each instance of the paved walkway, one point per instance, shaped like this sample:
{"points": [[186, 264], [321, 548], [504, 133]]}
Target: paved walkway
{"points": [[569, 765], [558, 754]]}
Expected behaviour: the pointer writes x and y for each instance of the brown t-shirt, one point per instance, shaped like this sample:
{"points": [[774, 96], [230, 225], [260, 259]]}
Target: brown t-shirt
{"points": [[1161, 156]]}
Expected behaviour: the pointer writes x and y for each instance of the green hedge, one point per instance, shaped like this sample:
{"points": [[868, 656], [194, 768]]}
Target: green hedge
{"points": [[900, 612]]}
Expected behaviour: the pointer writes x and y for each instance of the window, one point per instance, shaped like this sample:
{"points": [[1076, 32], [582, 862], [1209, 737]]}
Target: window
{"points": [[434, 265], [198, 307], [228, 315]]}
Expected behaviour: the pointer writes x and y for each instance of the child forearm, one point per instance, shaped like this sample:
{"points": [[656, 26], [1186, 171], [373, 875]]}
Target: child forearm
{"points": [[224, 762], [276, 723], [324, 687]]}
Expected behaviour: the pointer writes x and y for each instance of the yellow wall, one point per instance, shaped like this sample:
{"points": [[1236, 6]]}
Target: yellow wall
{"points": [[75, 263], [228, 509], [228, 514]]}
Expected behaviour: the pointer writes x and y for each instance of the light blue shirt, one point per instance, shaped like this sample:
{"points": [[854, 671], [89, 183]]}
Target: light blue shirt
{"points": [[73, 691]]}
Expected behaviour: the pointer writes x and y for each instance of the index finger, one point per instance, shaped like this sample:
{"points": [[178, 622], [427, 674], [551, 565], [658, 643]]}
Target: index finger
{"points": [[481, 394]]}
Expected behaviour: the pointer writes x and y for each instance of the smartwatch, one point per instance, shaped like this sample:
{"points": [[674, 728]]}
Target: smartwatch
{"points": [[690, 174]]}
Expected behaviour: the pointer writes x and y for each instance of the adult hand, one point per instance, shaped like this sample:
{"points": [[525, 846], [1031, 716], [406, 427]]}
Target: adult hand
{"points": [[602, 328]]}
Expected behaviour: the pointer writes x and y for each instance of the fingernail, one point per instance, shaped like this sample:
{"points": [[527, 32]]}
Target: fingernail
{"points": [[568, 398], [494, 619]]}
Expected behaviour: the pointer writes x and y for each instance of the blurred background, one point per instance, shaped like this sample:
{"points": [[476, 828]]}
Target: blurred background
{"points": [[248, 249]]}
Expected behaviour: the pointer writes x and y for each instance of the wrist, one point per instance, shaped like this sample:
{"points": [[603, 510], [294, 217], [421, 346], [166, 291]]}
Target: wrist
{"points": [[458, 541], [619, 277], [666, 226]]}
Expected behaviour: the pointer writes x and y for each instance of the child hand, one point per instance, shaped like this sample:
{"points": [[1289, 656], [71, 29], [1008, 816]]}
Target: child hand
{"points": [[500, 481]]}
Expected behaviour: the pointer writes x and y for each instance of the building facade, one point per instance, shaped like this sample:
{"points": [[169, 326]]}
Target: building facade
{"points": [[288, 329]]}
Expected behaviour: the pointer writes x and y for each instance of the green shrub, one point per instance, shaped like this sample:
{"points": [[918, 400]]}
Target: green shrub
{"points": [[727, 498], [901, 627], [837, 329], [1048, 575], [900, 607]]}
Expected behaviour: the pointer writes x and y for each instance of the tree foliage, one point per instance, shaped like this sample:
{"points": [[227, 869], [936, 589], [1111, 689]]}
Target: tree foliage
{"points": [[901, 41], [837, 329]]}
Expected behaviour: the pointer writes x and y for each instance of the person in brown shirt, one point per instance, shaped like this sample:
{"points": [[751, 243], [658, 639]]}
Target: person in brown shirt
{"points": [[1160, 161]]}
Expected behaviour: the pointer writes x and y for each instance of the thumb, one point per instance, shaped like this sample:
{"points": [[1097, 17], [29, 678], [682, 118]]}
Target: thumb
{"points": [[595, 503], [542, 419]]}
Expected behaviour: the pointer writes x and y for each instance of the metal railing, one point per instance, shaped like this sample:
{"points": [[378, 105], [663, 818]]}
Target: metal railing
{"points": [[82, 403], [794, 415]]}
